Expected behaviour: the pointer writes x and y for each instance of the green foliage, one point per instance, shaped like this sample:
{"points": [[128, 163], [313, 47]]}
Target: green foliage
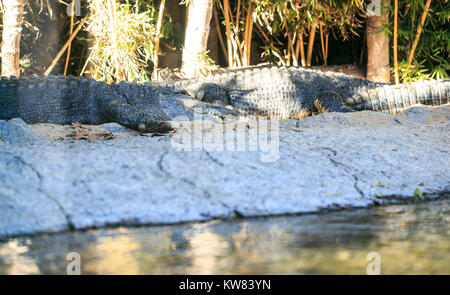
{"points": [[431, 58], [414, 72], [206, 65], [417, 192], [123, 39], [283, 17], [279, 18], [123, 48]]}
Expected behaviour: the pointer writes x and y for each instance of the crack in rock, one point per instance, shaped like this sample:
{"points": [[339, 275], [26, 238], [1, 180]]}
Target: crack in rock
{"points": [[356, 187], [215, 160], [70, 223], [160, 166], [346, 169], [206, 193]]}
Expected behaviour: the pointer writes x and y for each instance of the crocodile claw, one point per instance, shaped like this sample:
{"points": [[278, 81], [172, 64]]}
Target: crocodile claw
{"points": [[160, 127]]}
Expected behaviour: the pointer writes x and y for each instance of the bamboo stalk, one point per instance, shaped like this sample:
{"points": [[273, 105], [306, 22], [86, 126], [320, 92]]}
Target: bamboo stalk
{"points": [[297, 49], [81, 59], [248, 34], [50, 10], [238, 54], [222, 44], [279, 57], [419, 31], [262, 33], [231, 16], [302, 49], [395, 42], [290, 49], [72, 14], [238, 45], [157, 38], [87, 62], [312, 34], [61, 52], [322, 45], [238, 14], [245, 41], [226, 13]]}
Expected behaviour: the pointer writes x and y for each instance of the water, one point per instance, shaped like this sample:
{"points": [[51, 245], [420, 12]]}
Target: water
{"points": [[410, 239]]}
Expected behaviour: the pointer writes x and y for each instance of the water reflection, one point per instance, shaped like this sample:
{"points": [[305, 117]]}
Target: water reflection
{"points": [[411, 239], [12, 253]]}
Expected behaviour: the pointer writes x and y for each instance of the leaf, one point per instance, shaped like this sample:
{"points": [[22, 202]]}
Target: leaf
{"points": [[76, 125], [79, 135], [417, 192], [152, 134]]}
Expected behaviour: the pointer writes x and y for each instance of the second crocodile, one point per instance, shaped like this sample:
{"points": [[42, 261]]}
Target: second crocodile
{"points": [[292, 92]]}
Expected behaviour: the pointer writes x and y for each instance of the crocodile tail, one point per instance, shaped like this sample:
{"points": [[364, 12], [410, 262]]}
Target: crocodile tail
{"points": [[52, 99], [396, 98]]}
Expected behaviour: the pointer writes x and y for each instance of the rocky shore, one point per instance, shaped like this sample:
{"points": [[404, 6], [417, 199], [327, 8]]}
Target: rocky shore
{"points": [[50, 182]]}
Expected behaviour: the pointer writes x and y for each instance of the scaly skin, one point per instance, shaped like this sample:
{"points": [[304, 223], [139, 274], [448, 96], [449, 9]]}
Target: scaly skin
{"points": [[287, 93], [292, 92], [64, 100], [396, 98]]}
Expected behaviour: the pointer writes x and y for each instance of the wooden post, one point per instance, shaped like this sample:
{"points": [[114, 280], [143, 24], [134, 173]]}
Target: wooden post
{"points": [[378, 68], [12, 31], [197, 32]]}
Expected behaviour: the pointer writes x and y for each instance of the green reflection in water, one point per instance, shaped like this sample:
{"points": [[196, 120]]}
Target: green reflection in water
{"points": [[411, 239]]}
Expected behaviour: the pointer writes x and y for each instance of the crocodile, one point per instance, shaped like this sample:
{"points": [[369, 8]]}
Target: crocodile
{"points": [[276, 92], [63, 100], [295, 92]]}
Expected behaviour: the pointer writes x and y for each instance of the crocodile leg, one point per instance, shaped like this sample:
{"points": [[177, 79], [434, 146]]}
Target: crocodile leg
{"points": [[132, 117], [330, 101], [205, 108], [133, 106]]}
